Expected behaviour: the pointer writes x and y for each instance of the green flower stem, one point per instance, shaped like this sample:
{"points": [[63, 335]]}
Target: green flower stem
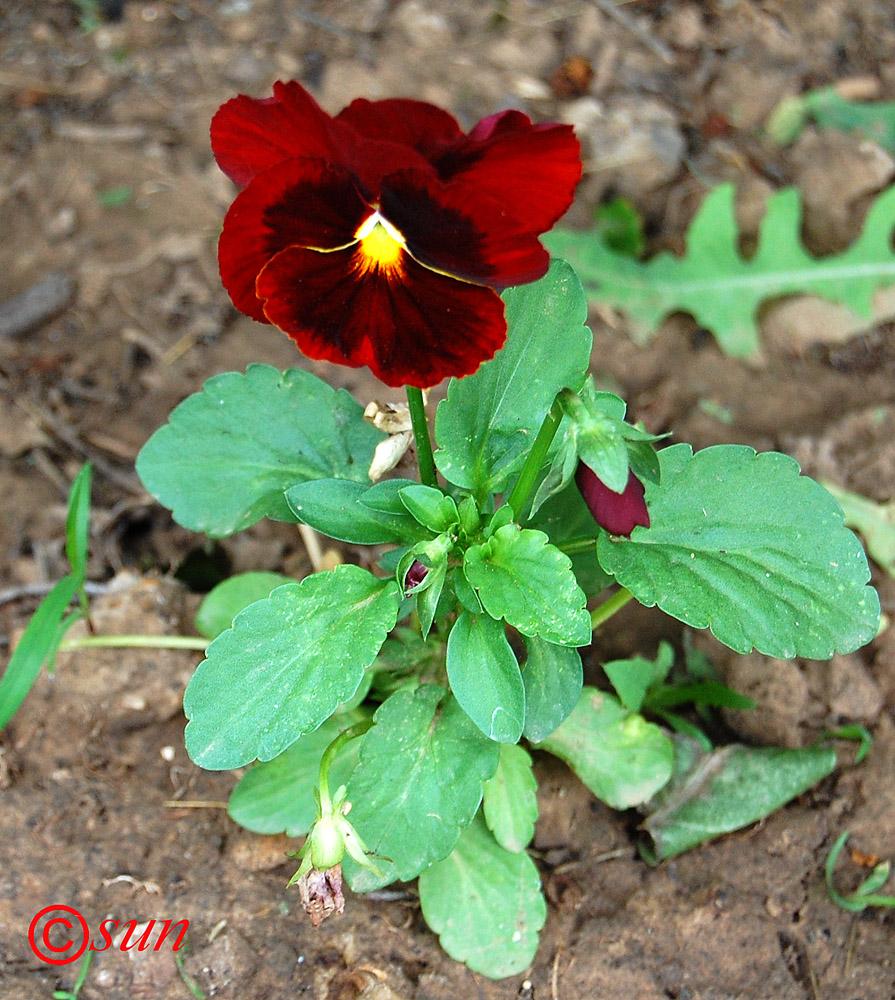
{"points": [[351, 733], [137, 641], [535, 460], [603, 612], [421, 434]]}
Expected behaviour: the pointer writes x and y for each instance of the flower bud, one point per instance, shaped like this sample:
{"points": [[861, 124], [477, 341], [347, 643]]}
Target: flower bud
{"points": [[321, 893], [618, 513], [415, 576]]}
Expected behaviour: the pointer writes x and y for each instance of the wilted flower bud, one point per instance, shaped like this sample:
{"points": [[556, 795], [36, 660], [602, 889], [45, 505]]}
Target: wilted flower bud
{"points": [[618, 513], [321, 893], [415, 576]]}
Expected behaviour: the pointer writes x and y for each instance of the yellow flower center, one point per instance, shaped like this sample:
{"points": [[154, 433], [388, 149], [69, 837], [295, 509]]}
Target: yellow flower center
{"points": [[381, 244]]}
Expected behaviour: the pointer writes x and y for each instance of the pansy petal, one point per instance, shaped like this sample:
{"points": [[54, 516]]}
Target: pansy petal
{"points": [[249, 135], [409, 325], [299, 202], [532, 170], [415, 124], [457, 229]]}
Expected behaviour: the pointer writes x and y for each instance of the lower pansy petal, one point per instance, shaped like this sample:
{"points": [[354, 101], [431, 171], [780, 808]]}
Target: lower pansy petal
{"points": [[408, 324], [300, 201]]}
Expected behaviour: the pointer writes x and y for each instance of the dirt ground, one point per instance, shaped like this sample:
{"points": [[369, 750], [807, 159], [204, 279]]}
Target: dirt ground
{"points": [[107, 182]]}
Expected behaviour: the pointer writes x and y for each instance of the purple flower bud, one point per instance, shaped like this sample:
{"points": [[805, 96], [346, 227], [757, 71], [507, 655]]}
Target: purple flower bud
{"points": [[618, 513], [415, 576]]}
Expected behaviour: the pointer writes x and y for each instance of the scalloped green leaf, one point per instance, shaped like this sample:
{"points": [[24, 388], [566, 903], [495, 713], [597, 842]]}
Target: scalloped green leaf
{"points": [[485, 904], [623, 759], [228, 453], [285, 665], [741, 544], [485, 677], [510, 803], [485, 426], [277, 796], [521, 577], [417, 784], [719, 287]]}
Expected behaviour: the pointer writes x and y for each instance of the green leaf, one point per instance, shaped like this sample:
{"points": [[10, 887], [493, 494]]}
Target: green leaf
{"points": [[222, 604], [572, 529], [485, 677], [285, 665], [621, 227], [873, 119], [622, 759], [430, 507], [277, 796], [485, 904], [38, 644], [519, 576], [228, 453], [875, 522], [865, 895], [335, 507], [77, 525], [742, 544], [720, 288], [728, 789], [510, 803], [487, 423], [552, 677], [417, 784], [632, 678]]}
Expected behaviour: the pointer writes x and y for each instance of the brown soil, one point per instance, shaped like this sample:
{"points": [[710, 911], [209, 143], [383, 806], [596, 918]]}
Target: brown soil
{"points": [[106, 176]]}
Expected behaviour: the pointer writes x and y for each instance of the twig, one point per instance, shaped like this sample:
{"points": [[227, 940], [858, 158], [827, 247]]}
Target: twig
{"points": [[36, 304], [42, 589], [629, 23]]}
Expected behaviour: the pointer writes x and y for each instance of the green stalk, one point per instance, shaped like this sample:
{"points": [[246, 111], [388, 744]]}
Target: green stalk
{"points": [[137, 641], [535, 459], [351, 733], [420, 427], [603, 612]]}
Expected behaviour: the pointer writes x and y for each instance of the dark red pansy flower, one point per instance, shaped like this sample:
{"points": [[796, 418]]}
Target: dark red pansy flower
{"points": [[415, 576], [382, 236], [618, 513]]}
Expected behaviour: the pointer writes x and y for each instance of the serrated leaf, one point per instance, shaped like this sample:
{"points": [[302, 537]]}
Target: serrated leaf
{"points": [[519, 576], [335, 508], [622, 759], [571, 527], [277, 796], [728, 789], [417, 784], [224, 602], [552, 677], [485, 904], [38, 643], [485, 677], [228, 453], [487, 423], [873, 119], [510, 803], [719, 287], [742, 544], [285, 665]]}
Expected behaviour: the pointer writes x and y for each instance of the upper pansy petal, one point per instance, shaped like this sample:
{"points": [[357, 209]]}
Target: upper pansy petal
{"points": [[250, 135], [457, 229], [409, 325], [415, 124], [302, 202], [532, 170]]}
